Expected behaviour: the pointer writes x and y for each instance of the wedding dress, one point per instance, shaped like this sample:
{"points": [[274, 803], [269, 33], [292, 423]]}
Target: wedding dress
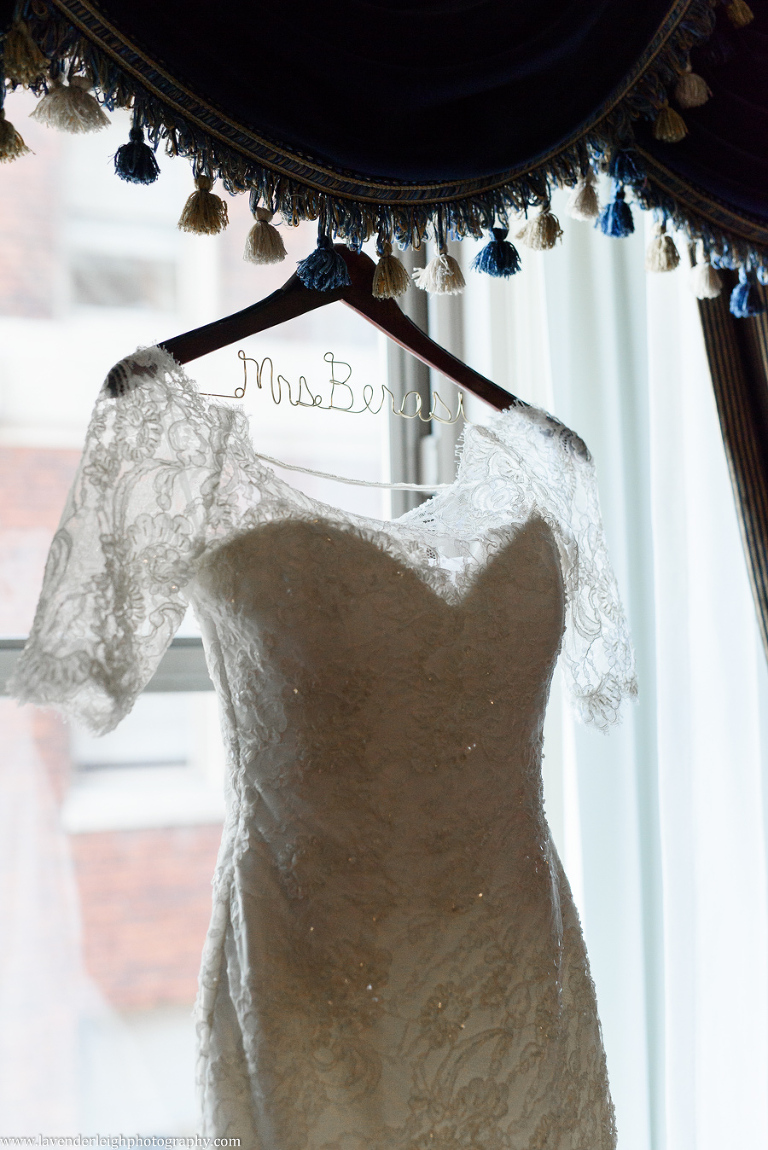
{"points": [[394, 960]]}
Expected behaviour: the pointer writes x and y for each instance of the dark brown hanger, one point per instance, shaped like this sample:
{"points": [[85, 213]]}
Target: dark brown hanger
{"points": [[293, 299]]}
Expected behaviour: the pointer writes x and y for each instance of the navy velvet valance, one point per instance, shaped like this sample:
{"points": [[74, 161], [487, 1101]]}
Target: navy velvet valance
{"points": [[398, 116]]}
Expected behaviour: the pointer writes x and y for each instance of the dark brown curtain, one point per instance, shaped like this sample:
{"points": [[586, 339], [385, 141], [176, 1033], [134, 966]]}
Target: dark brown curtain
{"points": [[738, 359]]}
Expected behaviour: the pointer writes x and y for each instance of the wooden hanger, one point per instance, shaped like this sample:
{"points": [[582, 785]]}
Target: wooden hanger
{"points": [[293, 299]]}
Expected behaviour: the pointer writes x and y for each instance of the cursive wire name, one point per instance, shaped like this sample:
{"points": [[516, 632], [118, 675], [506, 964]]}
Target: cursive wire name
{"points": [[341, 396]]}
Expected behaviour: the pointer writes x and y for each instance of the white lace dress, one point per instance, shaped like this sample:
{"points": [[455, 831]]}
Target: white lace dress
{"points": [[394, 960]]}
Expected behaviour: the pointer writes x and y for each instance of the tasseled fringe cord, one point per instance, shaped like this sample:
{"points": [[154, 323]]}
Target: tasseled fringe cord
{"points": [[204, 213], [542, 232], [583, 203], [616, 218], [324, 269], [746, 297], [669, 125], [691, 90], [499, 257], [441, 276], [739, 13], [24, 63], [390, 277], [11, 144], [626, 167], [662, 255], [135, 161], [264, 244], [71, 108], [705, 281]]}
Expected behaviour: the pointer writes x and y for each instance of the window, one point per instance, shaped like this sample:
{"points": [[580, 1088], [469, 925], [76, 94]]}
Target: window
{"points": [[108, 864]]}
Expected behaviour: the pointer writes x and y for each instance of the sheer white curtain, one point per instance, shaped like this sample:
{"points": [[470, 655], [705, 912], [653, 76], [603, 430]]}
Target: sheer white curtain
{"points": [[662, 824]]}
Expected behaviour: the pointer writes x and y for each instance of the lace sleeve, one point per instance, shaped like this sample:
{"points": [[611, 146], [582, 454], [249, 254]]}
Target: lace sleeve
{"points": [[131, 531], [548, 471], [597, 657]]}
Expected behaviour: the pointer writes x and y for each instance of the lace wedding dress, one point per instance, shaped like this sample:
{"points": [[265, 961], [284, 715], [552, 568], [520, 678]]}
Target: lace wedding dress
{"points": [[394, 960]]}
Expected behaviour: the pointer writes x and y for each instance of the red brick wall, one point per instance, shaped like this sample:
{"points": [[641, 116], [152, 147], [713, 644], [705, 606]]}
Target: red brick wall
{"points": [[146, 902]]}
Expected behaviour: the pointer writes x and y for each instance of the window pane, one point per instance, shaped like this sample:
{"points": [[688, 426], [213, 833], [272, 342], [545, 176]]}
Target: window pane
{"points": [[108, 847]]}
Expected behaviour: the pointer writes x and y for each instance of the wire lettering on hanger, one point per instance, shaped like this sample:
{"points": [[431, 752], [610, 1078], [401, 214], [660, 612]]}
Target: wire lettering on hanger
{"points": [[341, 396]]}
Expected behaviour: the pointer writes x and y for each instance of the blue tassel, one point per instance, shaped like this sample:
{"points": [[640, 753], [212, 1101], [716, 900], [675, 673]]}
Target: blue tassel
{"points": [[135, 161], [324, 269], [746, 298], [616, 218], [626, 167], [499, 257]]}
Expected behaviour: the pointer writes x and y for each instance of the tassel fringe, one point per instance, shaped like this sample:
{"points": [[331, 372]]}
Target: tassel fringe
{"points": [[616, 218], [135, 161], [390, 279], [705, 281], [746, 298], [499, 257], [626, 167], [324, 269], [583, 203], [264, 244], [70, 108], [542, 232], [441, 276], [472, 210], [11, 144], [691, 90], [204, 213], [669, 126], [23, 61], [662, 254], [739, 13]]}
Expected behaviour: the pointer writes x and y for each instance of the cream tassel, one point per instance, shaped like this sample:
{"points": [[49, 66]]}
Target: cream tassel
{"points": [[390, 278], [705, 281], [71, 108], [583, 203], [542, 232], [662, 255], [23, 61], [264, 244], [739, 13], [11, 144], [204, 213], [691, 90], [441, 276], [669, 126]]}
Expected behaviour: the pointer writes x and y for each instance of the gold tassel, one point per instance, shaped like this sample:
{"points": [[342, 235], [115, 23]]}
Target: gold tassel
{"points": [[691, 90], [669, 126], [739, 13], [662, 255], [70, 108], [390, 279], [204, 213], [441, 276], [11, 144], [542, 232], [583, 203], [264, 244], [23, 61]]}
